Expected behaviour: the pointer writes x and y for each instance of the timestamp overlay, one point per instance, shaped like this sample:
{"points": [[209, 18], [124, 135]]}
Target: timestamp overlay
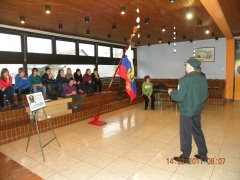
{"points": [[195, 161]]}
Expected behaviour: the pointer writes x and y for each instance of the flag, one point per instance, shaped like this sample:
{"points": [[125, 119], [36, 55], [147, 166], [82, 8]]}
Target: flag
{"points": [[126, 71]]}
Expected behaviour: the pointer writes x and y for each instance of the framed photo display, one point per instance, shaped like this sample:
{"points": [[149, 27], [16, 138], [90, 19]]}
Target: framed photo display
{"points": [[205, 54]]}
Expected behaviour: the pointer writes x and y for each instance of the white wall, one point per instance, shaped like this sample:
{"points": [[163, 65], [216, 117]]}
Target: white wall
{"points": [[159, 61]]}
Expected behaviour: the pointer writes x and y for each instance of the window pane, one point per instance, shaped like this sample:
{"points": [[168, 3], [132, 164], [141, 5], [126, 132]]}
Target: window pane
{"points": [[39, 45], [106, 70], [132, 53], [12, 68], [64, 47], [103, 51], [86, 49], [117, 52], [10, 42]]}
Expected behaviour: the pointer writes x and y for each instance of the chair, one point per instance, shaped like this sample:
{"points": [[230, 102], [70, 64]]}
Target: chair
{"points": [[159, 99]]}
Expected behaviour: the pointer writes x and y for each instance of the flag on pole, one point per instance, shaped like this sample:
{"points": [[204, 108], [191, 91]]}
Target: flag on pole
{"points": [[126, 71]]}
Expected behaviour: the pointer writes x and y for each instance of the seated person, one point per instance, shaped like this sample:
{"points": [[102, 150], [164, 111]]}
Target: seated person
{"points": [[22, 85], [97, 81], [6, 88], [36, 83], [79, 82], [61, 78], [87, 80], [147, 90], [49, 81], [71, 91], [199, 71], [69, 75]]}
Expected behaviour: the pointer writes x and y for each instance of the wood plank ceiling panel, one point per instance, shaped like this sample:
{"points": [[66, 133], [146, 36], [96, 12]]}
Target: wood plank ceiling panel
{"points": [[105, 13]]}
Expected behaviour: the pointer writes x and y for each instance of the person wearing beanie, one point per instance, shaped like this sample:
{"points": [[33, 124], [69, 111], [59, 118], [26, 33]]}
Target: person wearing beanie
{"points": [[191, 95]]}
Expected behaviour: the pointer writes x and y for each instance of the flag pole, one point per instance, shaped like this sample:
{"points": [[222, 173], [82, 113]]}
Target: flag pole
{"points": [[96, 121]]}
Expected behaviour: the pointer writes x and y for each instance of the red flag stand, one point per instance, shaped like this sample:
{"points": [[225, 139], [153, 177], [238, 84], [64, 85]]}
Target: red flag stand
{"points": [[96, 121]]}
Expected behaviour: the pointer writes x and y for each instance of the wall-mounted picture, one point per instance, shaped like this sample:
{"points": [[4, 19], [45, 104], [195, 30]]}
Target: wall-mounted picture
{"points": [[206, 54]]}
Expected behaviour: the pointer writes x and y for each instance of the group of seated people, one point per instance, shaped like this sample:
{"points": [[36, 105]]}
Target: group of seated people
{"points": [[71, 85]]}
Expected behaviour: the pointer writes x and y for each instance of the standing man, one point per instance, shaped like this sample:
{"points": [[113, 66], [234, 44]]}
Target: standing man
{"points": [[191, 95], [199, 70]]}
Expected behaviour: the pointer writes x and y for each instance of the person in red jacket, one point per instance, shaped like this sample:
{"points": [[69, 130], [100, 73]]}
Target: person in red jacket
{"points": [[87, 80], [6, 88]]}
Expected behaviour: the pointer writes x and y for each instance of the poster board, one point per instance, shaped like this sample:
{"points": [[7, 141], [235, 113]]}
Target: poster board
{"points": [[35, 101]]}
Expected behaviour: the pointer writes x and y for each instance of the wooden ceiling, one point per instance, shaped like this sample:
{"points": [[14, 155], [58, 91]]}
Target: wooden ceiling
{"points": [[105, 13]]}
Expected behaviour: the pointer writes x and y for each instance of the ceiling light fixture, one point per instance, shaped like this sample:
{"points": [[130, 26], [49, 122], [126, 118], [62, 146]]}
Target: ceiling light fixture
{"points": [[114, 27], [216, 38], [109, 36], [163, 28], [125, 39], [60, 26], [122, 10], [48, 9], [212, 35], [148, 36], [168, 42], [199, 22], [138, 42], [207, 30], [138, 26], [88, 32], [189, 14], [160, 40], [184, 37], [191, 40], [86, 19], [147, 20], [172, 1], [22, 19]]}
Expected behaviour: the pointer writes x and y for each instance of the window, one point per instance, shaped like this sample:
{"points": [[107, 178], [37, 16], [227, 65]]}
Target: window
{"points": [[106, 70], [117, 52], [103, 51], [132, 53], [12, 68], [65, 47], [10, 42], [39, 45], [86, 49]]}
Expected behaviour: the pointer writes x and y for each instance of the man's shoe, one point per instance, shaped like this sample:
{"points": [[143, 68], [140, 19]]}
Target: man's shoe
{"points": [[181, 159], [22, 105], [3, 109], [13, 106], [153, 108], [198, 157], [145, 108]]}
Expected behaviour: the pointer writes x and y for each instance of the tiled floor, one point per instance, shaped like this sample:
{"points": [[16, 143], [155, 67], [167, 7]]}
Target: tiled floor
{"points": [[134, 145]]}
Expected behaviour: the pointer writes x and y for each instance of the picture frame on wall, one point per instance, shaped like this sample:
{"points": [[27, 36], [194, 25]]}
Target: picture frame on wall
{"points": [[205, 54]]}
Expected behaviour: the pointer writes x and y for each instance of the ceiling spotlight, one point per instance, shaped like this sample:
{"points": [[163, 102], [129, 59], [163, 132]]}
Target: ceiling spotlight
{"points": [[138, 42], [189, 14], [184, 37], [207, 30], [168, 42], [137, 10], [199, 22], [147, 20], [138, 26], [88, 32], [160, 40], [163, 28], [191, 40], [174, 37], [216, 38], [125, 39], [114, 27], [48, 9], [109, 36], [174, 50], [122, 10], [138, 35], [86, 19], [174, 44], [60, 26], [138, 20], [172, 1], [149, 44], [212, 35], [175, 33], [148, 36], [22, 19]]}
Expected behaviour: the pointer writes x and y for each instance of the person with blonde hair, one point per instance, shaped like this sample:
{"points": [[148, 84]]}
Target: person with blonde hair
{"points": [[22, 85], [69, 74]]}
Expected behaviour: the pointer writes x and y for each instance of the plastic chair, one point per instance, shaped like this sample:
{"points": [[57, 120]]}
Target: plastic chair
{"points": [[159, 99]]}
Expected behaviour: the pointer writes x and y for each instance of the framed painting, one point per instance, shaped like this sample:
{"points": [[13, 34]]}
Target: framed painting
{"points": [[205, 54]]}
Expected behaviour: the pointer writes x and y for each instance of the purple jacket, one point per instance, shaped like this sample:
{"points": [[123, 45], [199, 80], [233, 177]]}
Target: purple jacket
{"points": [[68, 89], [87, 78]]}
